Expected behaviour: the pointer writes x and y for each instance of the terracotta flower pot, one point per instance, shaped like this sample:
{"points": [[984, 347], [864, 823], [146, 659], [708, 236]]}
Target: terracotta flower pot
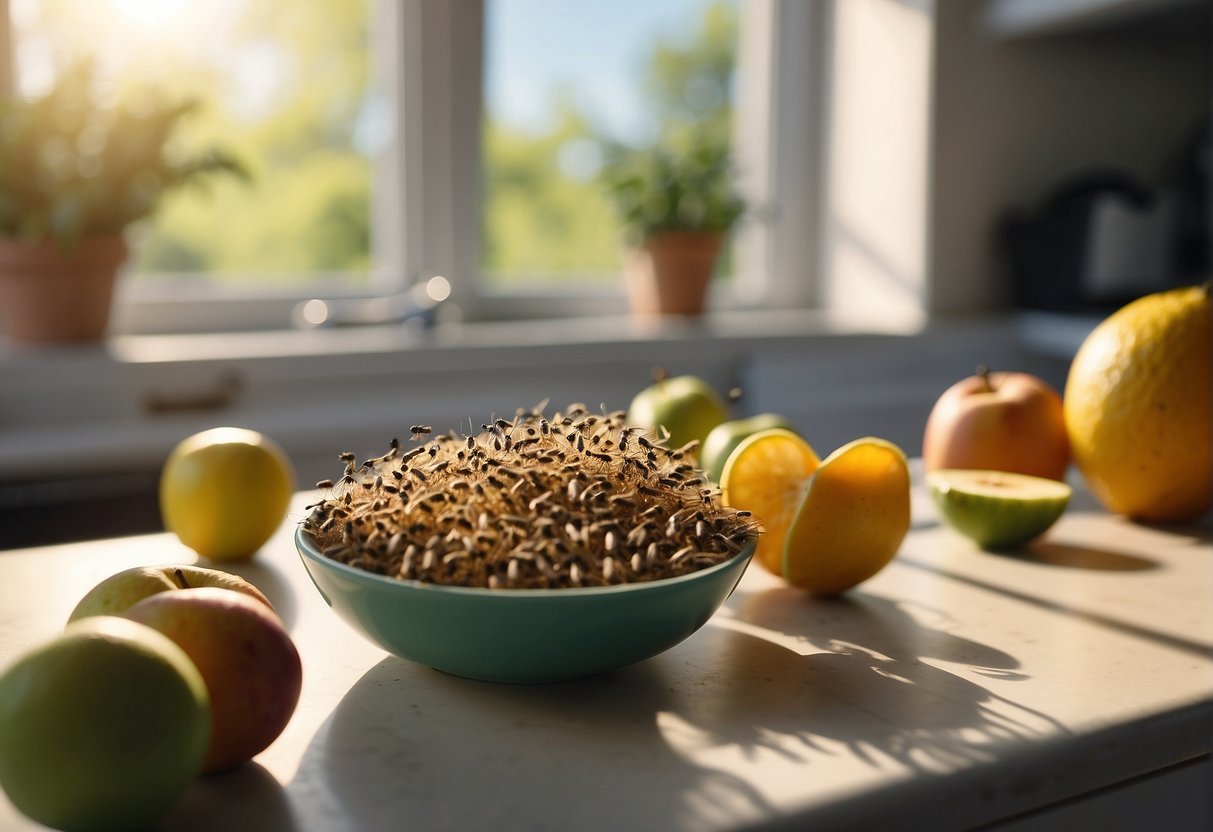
{"points": [[49, 296], [670, 274]]}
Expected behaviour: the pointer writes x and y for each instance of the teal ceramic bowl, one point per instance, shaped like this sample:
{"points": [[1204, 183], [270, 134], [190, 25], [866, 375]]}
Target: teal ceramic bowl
{"points": [[522, 635]]}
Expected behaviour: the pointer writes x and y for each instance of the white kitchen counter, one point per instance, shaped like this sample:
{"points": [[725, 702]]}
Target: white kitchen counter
{"points": [[1067, 687]]}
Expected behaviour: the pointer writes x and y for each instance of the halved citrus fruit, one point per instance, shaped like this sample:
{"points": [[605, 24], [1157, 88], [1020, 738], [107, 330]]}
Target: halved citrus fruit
{"points": [[852, 519], [997, 509], [766, 474]]}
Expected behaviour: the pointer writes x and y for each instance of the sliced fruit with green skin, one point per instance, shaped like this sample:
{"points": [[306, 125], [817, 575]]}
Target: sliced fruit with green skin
{"points": [[852, 519], [997, 509], [766, 475]]}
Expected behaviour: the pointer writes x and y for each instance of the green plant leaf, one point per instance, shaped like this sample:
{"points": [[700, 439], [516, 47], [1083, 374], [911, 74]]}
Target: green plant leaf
{"points": [[665, 188], [70, 166]]}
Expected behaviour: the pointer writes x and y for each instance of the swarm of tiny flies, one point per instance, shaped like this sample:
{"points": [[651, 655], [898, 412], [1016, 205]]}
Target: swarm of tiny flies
{"points": [[575, 500]]}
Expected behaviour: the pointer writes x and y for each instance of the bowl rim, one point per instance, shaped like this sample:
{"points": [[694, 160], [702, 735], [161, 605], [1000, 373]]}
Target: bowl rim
{"points": [[307, 550]]}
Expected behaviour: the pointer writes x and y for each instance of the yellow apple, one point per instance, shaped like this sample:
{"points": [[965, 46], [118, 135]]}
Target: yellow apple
{"points": [[225, 491]]}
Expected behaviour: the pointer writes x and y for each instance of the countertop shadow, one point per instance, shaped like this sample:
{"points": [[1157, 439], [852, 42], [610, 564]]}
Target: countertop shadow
{"points": [[408, 742], [1070, 556], [857, 684], [207, 804], [411, 747]]}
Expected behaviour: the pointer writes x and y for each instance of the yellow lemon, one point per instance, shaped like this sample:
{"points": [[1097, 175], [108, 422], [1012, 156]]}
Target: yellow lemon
{"points": [[766, 474], [854, 515], [225, 491], [1138, 407]]}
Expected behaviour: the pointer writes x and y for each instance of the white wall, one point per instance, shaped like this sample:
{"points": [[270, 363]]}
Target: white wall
{"points": [[936, 126], [1013, 117], [877, 116]]}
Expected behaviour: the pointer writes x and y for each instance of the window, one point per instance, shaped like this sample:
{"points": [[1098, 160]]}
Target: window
{"points": [[395, 141], [551, 119], [287, 90]]}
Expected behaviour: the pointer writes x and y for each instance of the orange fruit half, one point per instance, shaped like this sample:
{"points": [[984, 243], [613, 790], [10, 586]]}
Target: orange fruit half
{"points": [[852, 519], [766, 474]]}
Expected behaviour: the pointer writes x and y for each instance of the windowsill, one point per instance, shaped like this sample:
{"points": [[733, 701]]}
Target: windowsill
{"points": [[122, 406], [448, 344], [496, 336], [90, 404]]}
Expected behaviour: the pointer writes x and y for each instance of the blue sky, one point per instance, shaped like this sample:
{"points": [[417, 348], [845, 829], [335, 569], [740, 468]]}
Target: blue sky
{"points": [[534, 48]]}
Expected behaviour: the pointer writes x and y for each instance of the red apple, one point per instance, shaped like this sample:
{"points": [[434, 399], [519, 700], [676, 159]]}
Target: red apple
{"points": [[1000, 422], [124, 589], [246, 657]]}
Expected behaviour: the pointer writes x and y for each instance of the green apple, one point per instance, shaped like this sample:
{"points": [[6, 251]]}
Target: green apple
{"points": [[725, 437], [102, 728], [246, 657], [997, 509], [686, 406], [124, 589]]}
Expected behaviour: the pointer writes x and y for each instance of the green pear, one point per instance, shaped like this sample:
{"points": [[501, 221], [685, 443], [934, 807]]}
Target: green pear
{"points": [[997, 509], [725, 437], [686, 406], [102, 728]]}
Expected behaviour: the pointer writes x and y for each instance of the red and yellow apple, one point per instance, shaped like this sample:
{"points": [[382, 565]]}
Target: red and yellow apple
{"points": [[1006, 421], [124, 589], [246, 657]]}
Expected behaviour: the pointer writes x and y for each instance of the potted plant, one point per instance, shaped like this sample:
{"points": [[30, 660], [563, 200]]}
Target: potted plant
{"points": [[676, 209], [73, 175]]}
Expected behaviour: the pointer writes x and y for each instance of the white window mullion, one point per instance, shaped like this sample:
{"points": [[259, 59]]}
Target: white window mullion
{"points": [[779, 110], [466, 60], [396, 62], [6, 50], [440, 126]]}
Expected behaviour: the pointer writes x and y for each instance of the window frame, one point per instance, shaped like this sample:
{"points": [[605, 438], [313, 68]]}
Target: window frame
{"points": [[428, 60]]}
